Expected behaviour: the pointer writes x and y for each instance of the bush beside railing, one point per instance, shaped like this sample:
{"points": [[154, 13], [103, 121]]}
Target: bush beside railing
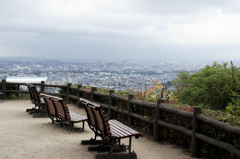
{"points": [[204, 136]]}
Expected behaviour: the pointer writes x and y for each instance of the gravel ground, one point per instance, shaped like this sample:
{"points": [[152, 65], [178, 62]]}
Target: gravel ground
{"points": [[24, 137]]}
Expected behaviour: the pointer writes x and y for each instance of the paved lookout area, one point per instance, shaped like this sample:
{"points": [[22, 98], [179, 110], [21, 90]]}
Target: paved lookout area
{"points": [[24, 137]]}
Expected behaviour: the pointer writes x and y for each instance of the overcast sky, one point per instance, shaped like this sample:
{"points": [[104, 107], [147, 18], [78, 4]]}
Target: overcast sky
{"points": [[121, 29]]}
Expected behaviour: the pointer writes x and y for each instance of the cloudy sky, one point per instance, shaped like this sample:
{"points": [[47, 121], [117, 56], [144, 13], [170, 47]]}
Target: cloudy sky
{"points": [[121, 29]]}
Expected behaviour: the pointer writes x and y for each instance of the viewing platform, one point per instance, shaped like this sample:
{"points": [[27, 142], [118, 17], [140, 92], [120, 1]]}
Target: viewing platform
{"points": [[25, 137]]}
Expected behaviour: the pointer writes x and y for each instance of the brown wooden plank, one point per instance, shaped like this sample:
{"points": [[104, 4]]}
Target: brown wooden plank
{"points": [[123, 127], [119, 132]]}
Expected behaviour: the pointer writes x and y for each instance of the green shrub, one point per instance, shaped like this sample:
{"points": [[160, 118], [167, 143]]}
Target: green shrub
{"points": [[212, 87], [234, 107]]}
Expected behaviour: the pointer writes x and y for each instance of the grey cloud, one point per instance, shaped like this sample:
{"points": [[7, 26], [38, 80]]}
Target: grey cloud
{"points": [[187, 6], [138, 29]]}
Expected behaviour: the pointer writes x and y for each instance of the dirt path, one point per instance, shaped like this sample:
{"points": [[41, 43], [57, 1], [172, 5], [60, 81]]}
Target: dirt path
{"points": [[24, 137]]}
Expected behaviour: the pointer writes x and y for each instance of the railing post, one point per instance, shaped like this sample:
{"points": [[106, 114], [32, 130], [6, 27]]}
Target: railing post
{"points": [[42, 86], [78, 94], [110, 103], [4, 88], [130, 109], [195, 128], [68, 90], [92, 93], [18, 88], [157, 115]]}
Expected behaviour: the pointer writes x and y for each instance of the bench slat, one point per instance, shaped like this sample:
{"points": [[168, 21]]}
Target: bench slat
{"points": [[124, 127], [120, 130]]}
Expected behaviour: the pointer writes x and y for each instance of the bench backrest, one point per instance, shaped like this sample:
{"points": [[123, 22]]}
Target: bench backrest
{"points": [[101, 120], [67, 112], [96, 116], [61, 108], [90, 116], [36, 95], [50, 106], [31, 93]]}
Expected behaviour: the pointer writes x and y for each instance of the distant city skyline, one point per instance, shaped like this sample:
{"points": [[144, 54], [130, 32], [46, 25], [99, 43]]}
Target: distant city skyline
{"points": [[111, 75], [121, 30]]}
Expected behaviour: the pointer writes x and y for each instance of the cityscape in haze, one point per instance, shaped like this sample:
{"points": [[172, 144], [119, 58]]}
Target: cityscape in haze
{"points": [[117, 75]]}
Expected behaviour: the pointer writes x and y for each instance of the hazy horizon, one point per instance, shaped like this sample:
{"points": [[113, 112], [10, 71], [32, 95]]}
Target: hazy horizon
{"points": [[143, 61]]}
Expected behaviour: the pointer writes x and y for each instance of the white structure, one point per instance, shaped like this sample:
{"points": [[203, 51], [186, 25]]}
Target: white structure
{"points": [[26, 79]]}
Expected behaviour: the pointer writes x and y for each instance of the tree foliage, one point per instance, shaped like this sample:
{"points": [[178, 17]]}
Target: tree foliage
{"points": [[213, 86]]}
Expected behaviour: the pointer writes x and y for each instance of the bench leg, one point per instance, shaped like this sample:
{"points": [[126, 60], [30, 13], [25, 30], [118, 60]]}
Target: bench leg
{"points": [[100, 148], [71, 126], [116, 156], [107, 148], [51, 117], [116, 146], [91, 142], [83, 125], [130, 144], [28, 110], [80, 129], [39, 115], [32, 111], [57, 120], [61, 122]]}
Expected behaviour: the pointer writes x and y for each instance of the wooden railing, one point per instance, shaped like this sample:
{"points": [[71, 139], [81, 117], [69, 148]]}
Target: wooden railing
{"points": [[196, 117]]}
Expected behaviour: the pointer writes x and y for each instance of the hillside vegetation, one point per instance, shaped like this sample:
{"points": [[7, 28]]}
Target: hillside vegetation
{"points": [[215, 88], [212, 87]]}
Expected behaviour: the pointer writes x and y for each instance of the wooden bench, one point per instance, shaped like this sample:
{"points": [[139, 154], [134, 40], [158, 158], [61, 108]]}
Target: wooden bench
{"points": [[62, 113], [51, 110], [91, 124], [31, 95], [111, 131], [40, 106]]}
